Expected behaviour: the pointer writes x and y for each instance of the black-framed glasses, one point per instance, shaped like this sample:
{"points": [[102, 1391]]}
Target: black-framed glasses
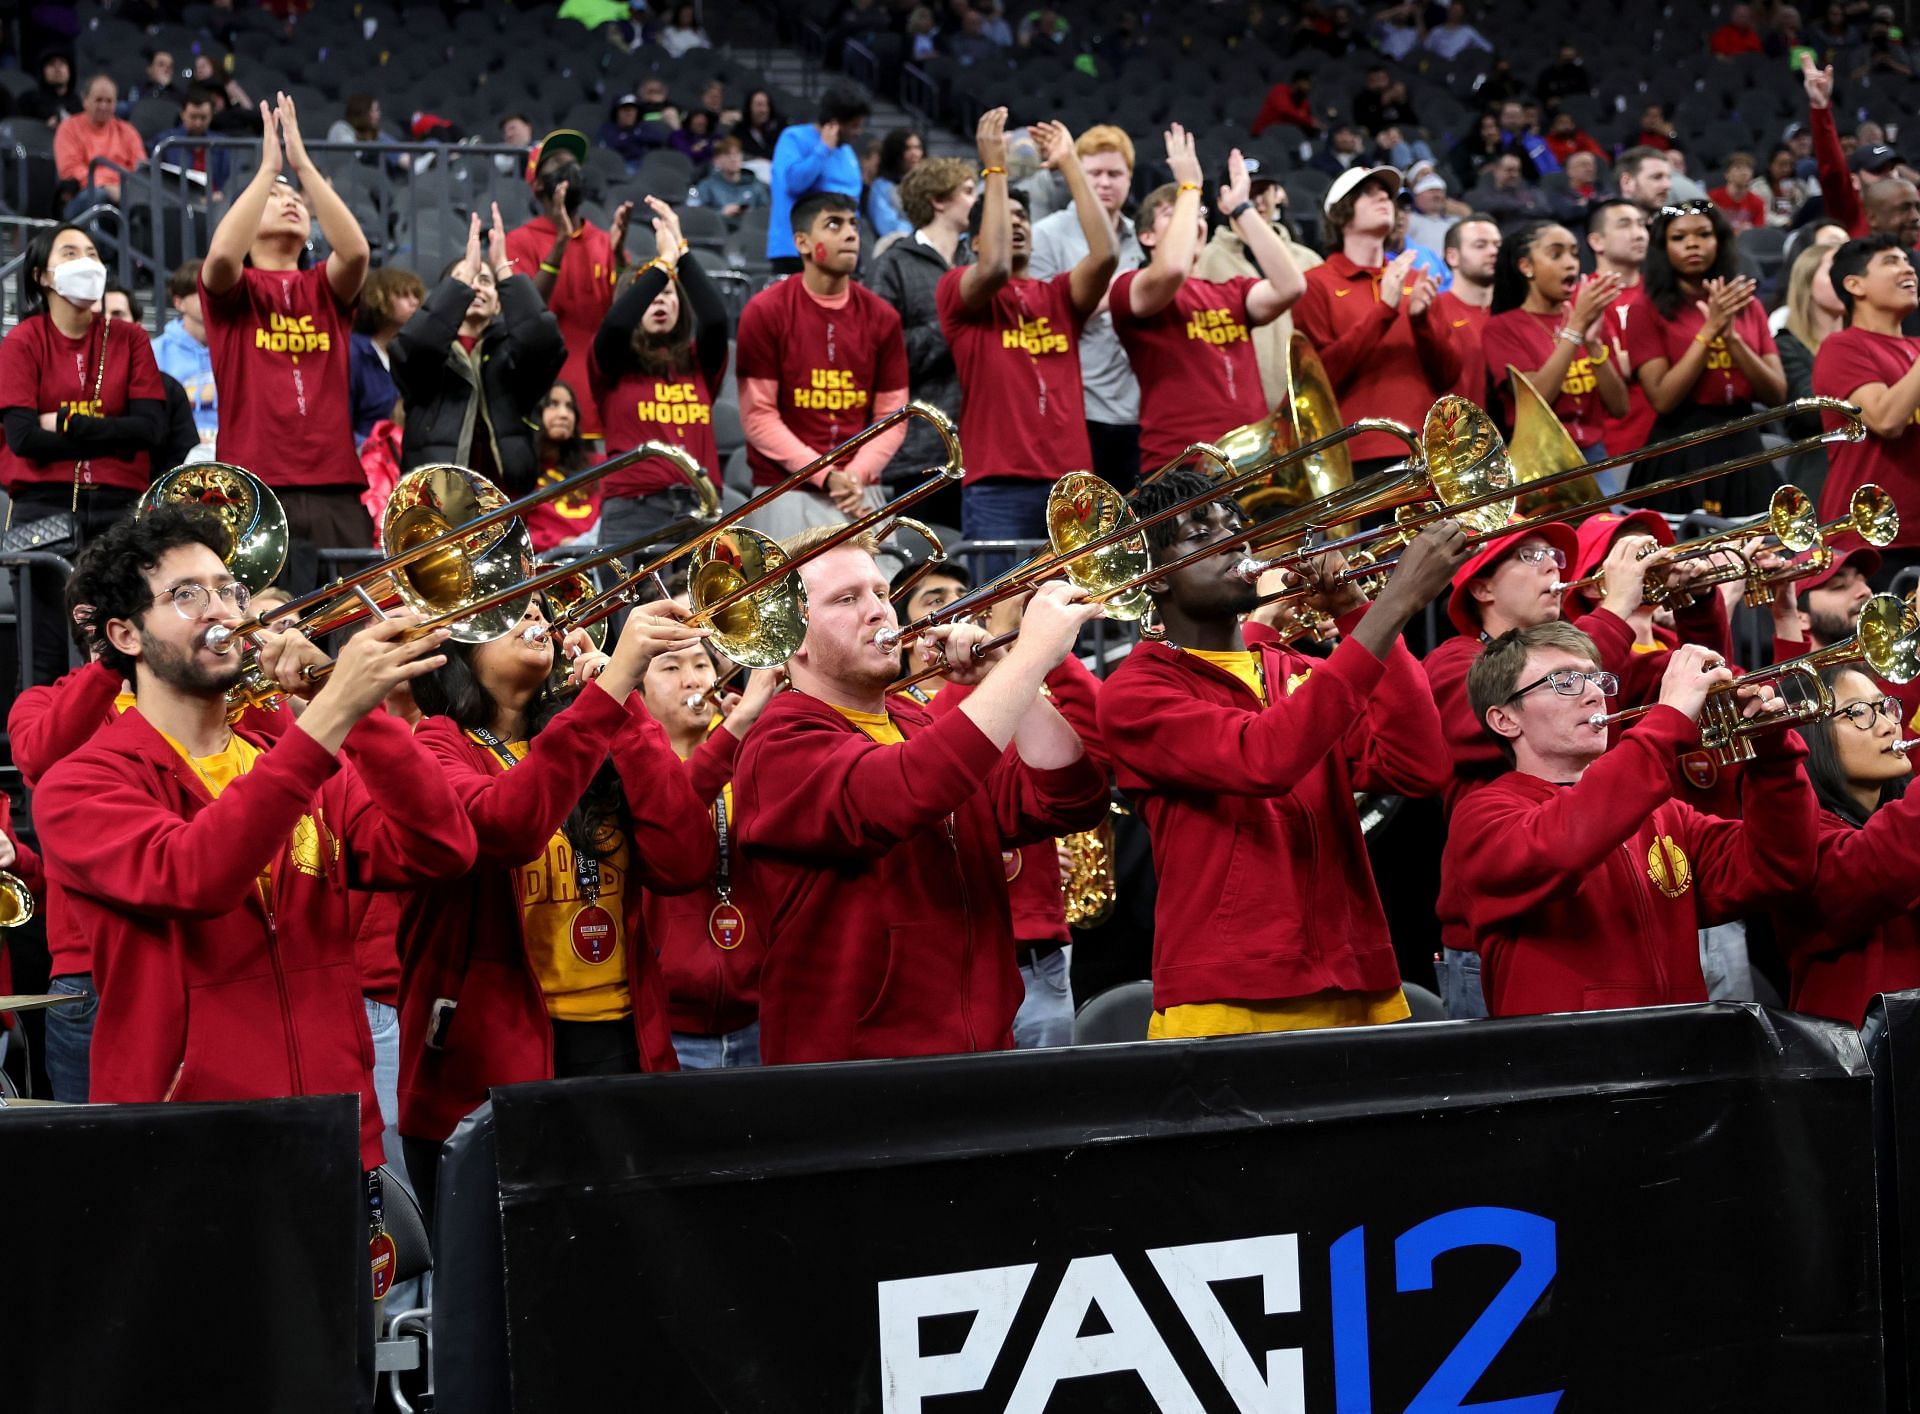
{"points": [[1570, 682], [190, 600], [1862, 714], [1696, 207]]}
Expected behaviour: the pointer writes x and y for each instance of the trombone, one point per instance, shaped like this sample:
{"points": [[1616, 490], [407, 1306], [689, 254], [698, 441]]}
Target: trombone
{"points": [[1888, 642], [936, 554]]}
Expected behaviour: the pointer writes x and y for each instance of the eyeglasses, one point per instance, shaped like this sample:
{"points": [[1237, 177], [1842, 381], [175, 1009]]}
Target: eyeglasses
{"points": [[1539, 554], [190, 600], [1686, 208], [1862, 714], [1571, 683]]}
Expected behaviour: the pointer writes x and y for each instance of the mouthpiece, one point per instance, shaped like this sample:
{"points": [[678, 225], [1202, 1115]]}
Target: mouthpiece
{"points": [[696, 701], [534, 633], [1600, 719], [888, 639], [1561, 586], [1251, 569], [1901, 748], [218, 635]]}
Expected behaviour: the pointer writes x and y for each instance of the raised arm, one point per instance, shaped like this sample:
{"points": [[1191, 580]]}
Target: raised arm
{"points": [[1837, 191], [1283, 283], [233, 237], [1093, 273], [993, 249], [347, 265], [1158, 281]]}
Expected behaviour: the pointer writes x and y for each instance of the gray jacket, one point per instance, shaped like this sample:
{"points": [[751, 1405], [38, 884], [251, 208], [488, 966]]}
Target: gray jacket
{"points": [[905, 275], [1113, 397]]}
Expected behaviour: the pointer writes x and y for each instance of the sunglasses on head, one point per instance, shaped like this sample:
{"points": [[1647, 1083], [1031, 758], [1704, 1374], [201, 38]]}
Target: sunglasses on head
{"points": [[1687, 208]]}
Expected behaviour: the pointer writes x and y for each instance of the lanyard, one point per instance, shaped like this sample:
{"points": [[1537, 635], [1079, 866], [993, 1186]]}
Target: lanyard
{"points": [[586, 865], [723, 833]]}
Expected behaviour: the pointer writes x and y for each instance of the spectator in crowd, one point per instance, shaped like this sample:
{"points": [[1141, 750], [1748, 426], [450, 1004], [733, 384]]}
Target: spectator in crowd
{"points": [[1883, 53], [516, 130], [1226, 256], [391, 297], [1471, 247], [1780, 190], [157, 80], [1106, 377], [969, 43], [1505, 194], [900, 152], [573, 262], [473, 364], [279, 336], [82, 405], [1832, 33], [1382, 103], [360, 122], [1645, 178], [1700, 347], [1430, 217], [1737, 36], [1566, 137], [1681, 188], [1397, 30], [1289, 103], [1455, 36], [1784, 37], [657, 365], [217, 74], [1550, 326], [1333, 30], [179, 437], [759, 127], [1372, 320], [1653, 130], [1617, 236], [1737, 200], [1022, 417], [53, 98], [1814, 311], [560, 451], [1425, 257], [95, 133], [1873, 365], [185, 146], [682, 33], [625, 135], [938, 198], [1565, 77], [1518, 128], [1477, 149], [730, 188], [713, 101], [181, 350], [693, 139], [814, 158], [820, 358], [1582, 189], [922, 42], [1344, 146], [1042, 27], [1546, 857], [1185, 335]]}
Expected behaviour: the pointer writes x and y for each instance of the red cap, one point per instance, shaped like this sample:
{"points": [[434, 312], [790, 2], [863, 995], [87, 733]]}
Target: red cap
{"points": [[1848, 549], [1598, 535], [1460, 606]]}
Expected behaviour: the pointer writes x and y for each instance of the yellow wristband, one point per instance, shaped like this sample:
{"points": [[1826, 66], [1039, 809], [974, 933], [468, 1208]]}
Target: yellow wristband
{"points": [[1606, 351], [993, 171], [1189, 186], [1703, 339], [550, 267]]}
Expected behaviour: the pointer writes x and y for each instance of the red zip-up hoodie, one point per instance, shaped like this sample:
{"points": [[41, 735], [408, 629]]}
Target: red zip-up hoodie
{"points": [[1851, 932], [1033, 870], [1265, 889], [711, 990], [206, 993], [879, 867], [463, 940], [1591, 896]]}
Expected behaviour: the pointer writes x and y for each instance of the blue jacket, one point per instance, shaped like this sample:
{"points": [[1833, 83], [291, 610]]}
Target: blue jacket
{"points": [[802, 165], [184, 357]]}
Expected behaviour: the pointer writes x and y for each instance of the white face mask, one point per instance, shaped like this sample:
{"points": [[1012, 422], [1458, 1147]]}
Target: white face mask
{"points": [[82, 281]]}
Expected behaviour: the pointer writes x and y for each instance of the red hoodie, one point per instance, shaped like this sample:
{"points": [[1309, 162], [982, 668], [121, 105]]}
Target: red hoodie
{"points": [[711, 990], [462, 941], [1852, 932], [1265, 889], [880, 869], [1033, 870], [1591, 896], [205, 993]]}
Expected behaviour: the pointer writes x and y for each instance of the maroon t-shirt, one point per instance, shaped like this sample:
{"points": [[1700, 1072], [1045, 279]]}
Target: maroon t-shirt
{"points": [[1650, 336], [1198, 373], [828, 363], [279, 344], [1526, 341], [44, 371], [1023, 412], [1850, 359], [1464, 322], [655, 407]]}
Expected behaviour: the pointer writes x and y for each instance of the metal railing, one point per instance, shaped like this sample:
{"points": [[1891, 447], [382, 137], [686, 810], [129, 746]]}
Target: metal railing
{"points": [[920, 94]]}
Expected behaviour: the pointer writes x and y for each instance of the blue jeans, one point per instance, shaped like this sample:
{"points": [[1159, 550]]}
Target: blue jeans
{"points": [[1459, 976], [70, 1037], [736, 1048], [1003, 508], [1045, 1018]]}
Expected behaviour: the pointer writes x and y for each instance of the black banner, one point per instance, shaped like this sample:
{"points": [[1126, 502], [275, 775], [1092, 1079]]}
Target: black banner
{"points": [[1892, 1038], [185, 1257], [1667, 1209]]}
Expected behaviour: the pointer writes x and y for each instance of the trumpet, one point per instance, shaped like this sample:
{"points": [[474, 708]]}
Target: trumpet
{"points": [[1888, 642], [1793, 525], [1871, 514]]}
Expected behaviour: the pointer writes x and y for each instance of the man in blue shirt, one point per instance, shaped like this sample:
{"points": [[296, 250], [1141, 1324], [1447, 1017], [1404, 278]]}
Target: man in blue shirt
{"points": [[814, 157], [181, 350]]}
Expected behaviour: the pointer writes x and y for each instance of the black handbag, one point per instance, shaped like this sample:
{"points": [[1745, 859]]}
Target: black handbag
{"points": [[57, 534]]}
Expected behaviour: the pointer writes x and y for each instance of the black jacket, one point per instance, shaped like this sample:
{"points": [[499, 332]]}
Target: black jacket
{"points": [[514, 363], [905, 276]]}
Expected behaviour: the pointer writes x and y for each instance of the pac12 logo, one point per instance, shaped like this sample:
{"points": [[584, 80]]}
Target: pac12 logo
{"points": [[1129, 1341]]}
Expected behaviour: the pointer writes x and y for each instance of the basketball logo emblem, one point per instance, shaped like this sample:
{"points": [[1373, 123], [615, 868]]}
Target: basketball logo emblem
{"points": [[1668, 868]]}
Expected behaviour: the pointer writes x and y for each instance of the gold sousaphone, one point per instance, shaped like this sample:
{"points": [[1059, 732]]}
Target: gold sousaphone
{"points": [[255, 521], [1308, 412], [1542, 446]]}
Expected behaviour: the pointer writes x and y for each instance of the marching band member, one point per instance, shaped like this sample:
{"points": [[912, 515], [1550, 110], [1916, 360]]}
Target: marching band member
{"points": [[1584, 880], [537, 964], [875, 832], [210, 867], [1850, 931], [712, 939], [1243, 764]]}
